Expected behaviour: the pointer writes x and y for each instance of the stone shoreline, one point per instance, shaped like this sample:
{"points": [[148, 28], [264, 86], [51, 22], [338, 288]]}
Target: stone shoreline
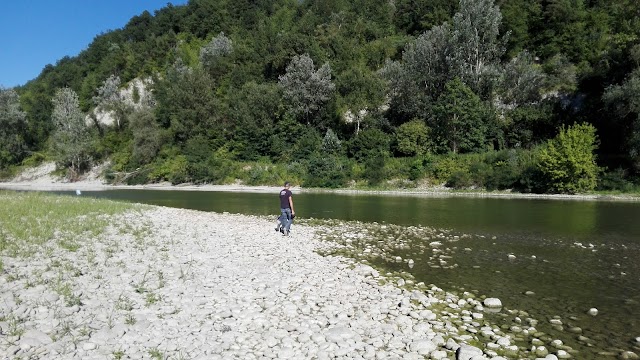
{"points": [[428, 192], [41, 179], [182, 284]]}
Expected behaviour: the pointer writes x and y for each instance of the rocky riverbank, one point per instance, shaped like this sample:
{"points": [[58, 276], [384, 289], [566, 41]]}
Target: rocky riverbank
{"points": [[165, 283]]}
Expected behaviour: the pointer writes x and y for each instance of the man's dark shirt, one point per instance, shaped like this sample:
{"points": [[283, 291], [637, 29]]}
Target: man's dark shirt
{"points": [[285, 194]]}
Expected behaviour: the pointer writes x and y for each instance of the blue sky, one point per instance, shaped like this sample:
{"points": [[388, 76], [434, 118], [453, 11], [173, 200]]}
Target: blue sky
{"points": [[34, 33]]}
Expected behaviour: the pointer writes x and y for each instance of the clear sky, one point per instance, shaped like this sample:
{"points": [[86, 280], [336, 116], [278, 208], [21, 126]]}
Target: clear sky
{"points": [[34, 33]]}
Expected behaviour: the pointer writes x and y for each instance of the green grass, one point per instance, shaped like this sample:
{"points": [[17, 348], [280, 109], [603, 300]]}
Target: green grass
{"points": [[29, 219]]}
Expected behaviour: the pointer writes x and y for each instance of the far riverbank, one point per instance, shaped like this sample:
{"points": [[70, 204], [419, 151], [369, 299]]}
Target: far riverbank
{"points": [[41, 179]]}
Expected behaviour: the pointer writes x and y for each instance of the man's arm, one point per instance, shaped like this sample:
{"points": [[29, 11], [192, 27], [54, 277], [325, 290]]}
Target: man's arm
{"points": [[291, 204]]}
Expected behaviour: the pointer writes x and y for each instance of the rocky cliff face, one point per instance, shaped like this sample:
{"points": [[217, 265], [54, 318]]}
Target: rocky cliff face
{"points": [[136, 95]]}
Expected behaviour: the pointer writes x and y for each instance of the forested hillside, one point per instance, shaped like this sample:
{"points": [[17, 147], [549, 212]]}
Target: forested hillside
{"points": [[532, 95]]}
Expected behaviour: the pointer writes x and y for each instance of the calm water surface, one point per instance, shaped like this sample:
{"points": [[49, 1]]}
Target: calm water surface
{"points": [[573, 255]]}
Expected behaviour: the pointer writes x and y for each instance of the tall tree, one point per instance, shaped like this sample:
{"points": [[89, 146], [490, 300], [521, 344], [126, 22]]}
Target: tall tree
{"points": [[416, 82], [459, 119], [110, 99], [70, 139], [468, 48], [305, 88], [624, 101], [188, 106], [214, 55], [13, 124], [476, 45]]}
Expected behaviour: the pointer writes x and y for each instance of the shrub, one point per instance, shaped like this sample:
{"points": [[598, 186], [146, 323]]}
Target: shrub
{"points": [[262, 174], [35, 159], [173, 169], [414, 138], [331, 143], [326, 171], [369, 143], [505, 170], [567, 162], [615, 181], [445, 166], [459, 179], [374, 171], [480, 173]]}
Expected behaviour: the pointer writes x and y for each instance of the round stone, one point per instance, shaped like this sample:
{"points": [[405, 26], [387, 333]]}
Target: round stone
{"points": [[492, 303], [88, 346]]}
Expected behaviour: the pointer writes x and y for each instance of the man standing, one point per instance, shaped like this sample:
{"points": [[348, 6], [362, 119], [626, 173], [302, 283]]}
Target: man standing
{"points": [[286, 208]]}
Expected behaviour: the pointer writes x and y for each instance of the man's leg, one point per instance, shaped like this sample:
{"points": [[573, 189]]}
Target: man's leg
{"points": [[286, 220]]}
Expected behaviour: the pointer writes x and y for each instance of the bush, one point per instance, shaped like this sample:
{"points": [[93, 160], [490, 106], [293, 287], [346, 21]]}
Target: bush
{"points": [[173, 169], [414, 138], [326, 171], [568, 163], [263, 174], [615, 181], [460, 179], [398, 168], [446, 165], [374, 171], [34, 159], [480, 173], [505, 170], [369, 143]]}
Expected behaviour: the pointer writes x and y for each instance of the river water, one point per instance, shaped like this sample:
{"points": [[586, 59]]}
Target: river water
{"points": [[551, 258]]}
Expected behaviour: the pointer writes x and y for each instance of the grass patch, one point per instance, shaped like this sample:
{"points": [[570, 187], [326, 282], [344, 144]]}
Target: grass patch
{"points": [[155, 353], [34, 218]]}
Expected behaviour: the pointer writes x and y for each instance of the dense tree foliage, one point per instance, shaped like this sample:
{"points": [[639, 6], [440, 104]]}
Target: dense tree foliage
{"points": [[331, 92], [70, 139], [568, 162], [13, 127]]}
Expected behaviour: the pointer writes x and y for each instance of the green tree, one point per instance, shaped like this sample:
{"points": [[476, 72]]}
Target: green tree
{"points": [[187, 105], [468, 48], [305, 88], [360, 91], [214, 56], [415, 83], [326, 170], [13, 124], [331, 144], [413, 138], [416, 16], [459, 119], [521, 81], [110, 99], [568, 162], [147, 138], [255, 109], [624, 101], [476, 45], [71, 138], [369, 143]]}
